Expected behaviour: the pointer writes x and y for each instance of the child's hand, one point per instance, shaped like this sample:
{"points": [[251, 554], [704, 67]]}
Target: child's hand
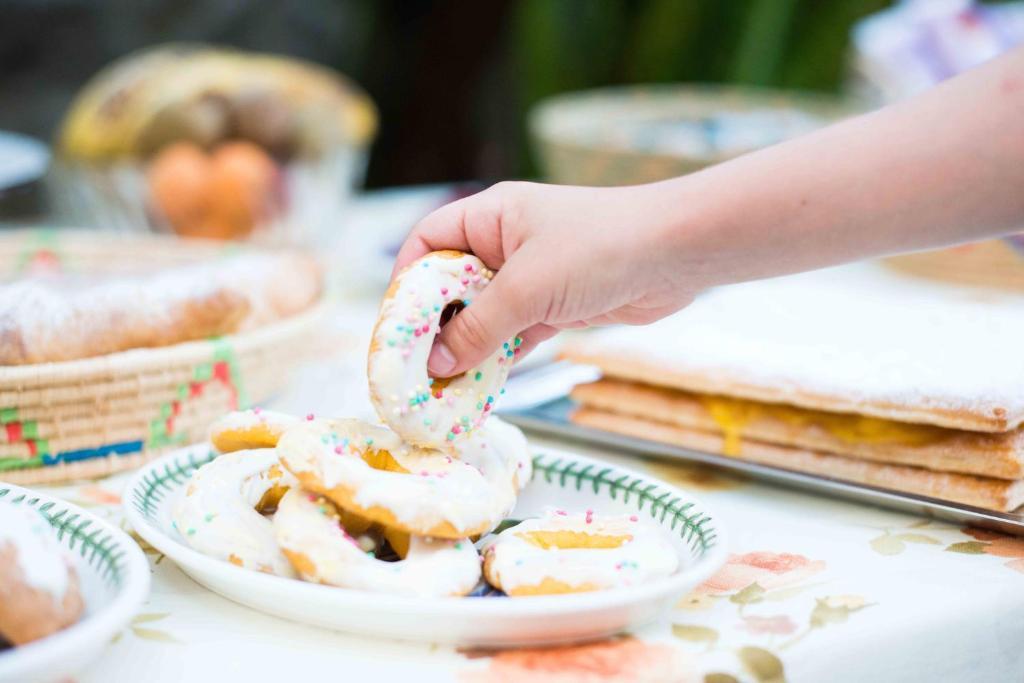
{"points": [[565, 256]]}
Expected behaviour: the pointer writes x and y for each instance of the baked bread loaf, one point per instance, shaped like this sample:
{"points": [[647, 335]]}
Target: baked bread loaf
{"points": [[43, 321]]}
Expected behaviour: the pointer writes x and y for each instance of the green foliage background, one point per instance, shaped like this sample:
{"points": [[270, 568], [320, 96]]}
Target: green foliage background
{"points": [[574, 44]]}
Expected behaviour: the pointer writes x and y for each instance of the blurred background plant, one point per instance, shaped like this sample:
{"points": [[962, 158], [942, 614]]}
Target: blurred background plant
{"points": [[453, 80]]}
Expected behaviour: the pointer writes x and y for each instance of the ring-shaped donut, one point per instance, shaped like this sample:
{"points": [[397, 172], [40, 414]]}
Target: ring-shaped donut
{"points": [[248, 429], [370, 471], [564, 552], [501, 440], [220, 513], [423, 411], [311, 534]]}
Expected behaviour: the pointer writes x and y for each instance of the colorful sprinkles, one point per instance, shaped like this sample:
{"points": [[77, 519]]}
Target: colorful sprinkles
{"points": [[418, 407]]}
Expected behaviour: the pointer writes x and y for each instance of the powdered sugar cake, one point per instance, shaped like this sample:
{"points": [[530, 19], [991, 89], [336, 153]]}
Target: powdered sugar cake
{"points": [[855, 339]]}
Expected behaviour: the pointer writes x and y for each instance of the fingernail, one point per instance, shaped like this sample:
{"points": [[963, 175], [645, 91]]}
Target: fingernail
{"points": [[441, 361]]}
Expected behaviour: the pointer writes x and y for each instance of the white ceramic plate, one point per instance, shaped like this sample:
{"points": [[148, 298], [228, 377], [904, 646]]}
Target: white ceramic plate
{"points": [[114, 578], [560, 479]]}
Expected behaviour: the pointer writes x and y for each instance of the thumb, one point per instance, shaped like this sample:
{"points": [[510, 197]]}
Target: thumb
{"points": [[501, 311]]}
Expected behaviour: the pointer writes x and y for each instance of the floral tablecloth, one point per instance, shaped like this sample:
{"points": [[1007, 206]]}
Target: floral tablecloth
{"points": [[814, 590]]}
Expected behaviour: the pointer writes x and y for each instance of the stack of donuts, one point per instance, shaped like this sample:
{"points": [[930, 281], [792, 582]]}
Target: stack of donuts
{"points": [[401, 507]]}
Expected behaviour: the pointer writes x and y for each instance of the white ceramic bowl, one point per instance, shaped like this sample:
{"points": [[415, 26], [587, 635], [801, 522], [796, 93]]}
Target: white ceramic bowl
{"points": [[114, 578], [560, 479]]}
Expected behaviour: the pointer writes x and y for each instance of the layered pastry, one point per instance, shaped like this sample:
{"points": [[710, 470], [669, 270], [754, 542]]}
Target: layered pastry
{"points": [[213, 142], [853, 373]]}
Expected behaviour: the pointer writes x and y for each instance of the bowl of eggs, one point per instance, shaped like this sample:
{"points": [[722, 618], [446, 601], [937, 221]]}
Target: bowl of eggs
{"points": [[209, 142]]}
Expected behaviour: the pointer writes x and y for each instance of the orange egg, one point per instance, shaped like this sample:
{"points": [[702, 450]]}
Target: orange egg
{"points": [[243, 187], [179, 185]]}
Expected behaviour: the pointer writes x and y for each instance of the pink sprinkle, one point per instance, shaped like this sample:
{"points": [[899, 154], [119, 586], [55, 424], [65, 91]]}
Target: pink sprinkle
{"points": [[257, 410], [444, 291], [469, 267], [632, 518], [448, 458], [590, 516], [405, 353], [418, 332], [309, 416], [426, 328], [339, 450], [464, 280], [456, 429], [424, 473], [312, 498], [561, 512]]}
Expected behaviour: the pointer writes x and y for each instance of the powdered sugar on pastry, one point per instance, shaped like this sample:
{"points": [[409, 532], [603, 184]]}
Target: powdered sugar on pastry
{"points": [[41, 557], [854, 339], [53, 320]]}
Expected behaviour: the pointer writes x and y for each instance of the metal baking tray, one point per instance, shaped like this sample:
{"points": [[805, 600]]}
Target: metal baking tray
{"points": [[552, 418]]}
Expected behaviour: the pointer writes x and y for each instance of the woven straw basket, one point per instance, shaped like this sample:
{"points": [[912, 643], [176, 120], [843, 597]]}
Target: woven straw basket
{"points": [[629, 134], [92, 417]]}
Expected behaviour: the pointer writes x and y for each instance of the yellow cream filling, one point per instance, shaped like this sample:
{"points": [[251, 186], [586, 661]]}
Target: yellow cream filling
{"points": [[568, 540], [733, 415], [382, 460]]}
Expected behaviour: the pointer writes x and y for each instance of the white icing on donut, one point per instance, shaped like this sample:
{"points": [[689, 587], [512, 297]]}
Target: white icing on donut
{"points": [[401, 390], [217, 515], [436, 489], [328, 554], [244, 420], [42, 559], [236, 425], [645, 554], [511, 444]]}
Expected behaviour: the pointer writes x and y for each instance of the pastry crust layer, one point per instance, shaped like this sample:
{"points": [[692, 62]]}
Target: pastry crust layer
{"points": [[998, 455], [983, 492]]}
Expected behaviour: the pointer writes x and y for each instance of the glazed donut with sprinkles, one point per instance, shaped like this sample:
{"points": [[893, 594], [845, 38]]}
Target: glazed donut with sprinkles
{"points": [[424, 411], [411, 506]]}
